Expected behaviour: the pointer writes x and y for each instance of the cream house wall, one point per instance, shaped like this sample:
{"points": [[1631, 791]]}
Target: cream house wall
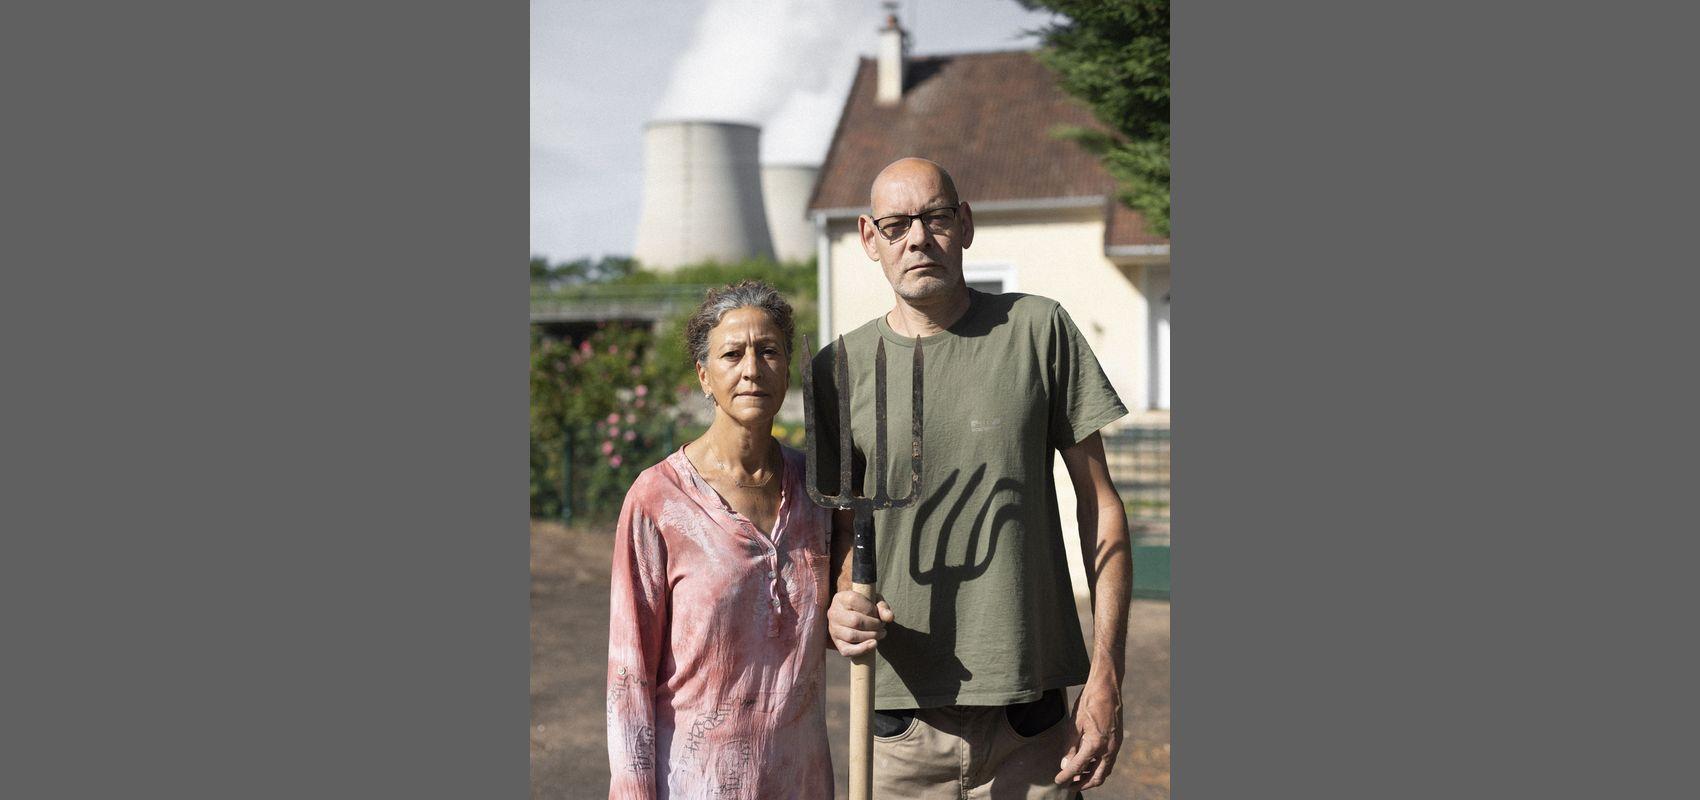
{"points": [[859, 288], [1060, 254]]}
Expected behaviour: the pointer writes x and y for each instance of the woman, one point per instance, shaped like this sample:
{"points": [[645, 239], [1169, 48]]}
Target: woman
{"points": [[717, 621]]}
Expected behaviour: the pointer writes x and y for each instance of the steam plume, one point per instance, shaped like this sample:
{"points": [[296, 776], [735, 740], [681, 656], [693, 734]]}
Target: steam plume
{"points": [[782, 64]]}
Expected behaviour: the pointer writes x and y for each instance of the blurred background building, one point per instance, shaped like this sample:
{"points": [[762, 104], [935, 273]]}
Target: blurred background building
{"points": [[1045, 218]]}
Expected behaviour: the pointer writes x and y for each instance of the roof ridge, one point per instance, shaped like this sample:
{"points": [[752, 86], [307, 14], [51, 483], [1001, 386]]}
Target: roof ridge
{"points": [[961, 53]]}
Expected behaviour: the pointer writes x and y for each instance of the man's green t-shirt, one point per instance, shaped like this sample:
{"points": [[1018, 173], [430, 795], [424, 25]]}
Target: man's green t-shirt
{"points": [[975, 572]]}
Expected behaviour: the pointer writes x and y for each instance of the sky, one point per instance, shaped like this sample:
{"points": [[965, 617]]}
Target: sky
{"points": [[600, 69]]}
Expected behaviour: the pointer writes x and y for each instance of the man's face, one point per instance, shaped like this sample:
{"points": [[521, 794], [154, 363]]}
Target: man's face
{"points": [[925, 261]]}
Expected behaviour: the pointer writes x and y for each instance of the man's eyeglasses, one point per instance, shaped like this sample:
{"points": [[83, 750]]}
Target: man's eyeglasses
{"points": [[936, 220]]}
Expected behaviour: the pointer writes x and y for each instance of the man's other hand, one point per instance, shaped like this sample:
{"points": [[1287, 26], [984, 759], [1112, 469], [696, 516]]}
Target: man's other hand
{"points": [[856, 623], [1095, 736]]}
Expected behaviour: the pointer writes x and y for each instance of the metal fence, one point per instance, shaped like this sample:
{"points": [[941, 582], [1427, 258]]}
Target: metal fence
{"points": [[1138, 458]]}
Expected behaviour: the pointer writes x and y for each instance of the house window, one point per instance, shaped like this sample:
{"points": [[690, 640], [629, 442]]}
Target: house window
{"points": [[990, 278]]}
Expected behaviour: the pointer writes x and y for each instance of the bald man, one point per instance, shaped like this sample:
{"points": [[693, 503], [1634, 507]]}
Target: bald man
{"points": [[976, 637]]}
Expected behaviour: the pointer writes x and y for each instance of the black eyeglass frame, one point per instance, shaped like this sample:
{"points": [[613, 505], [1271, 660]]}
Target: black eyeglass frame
{"points": [[956, 213]]}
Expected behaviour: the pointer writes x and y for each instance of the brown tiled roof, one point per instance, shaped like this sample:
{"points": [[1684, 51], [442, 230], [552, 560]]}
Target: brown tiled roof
{"points": [[988, 118], [1126, 227]]}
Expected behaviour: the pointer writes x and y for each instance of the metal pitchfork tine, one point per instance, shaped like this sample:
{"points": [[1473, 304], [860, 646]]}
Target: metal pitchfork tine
{"points": [[863, 571]]}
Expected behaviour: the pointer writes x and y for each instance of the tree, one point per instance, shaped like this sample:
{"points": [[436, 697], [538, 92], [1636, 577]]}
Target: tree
{"points": [[1114, 56], [582, 270]]}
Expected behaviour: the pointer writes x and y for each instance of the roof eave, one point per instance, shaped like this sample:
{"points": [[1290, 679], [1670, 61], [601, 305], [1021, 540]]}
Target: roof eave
{"points": [[1137, 253]]}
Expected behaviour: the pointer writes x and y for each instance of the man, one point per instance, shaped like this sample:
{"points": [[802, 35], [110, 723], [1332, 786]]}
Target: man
{"points": [[979, 639]]}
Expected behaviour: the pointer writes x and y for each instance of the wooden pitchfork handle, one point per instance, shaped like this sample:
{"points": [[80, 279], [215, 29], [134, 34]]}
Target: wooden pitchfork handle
{"points": [[862, 669], [862, 717]]}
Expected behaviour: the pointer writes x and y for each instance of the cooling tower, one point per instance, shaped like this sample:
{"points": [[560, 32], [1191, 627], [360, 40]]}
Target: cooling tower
{"points": [[701, 194], [785, 189]]}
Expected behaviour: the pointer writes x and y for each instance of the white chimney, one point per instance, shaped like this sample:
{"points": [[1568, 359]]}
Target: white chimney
{"points": [[893, 41]]}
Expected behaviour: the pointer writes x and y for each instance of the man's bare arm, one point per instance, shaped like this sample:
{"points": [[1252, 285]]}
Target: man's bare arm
{"points": [[1106, 547], [1107, 550]]}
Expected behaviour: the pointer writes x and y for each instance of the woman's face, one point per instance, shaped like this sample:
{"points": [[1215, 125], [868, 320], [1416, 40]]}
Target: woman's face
{"points": [[747, 369]]}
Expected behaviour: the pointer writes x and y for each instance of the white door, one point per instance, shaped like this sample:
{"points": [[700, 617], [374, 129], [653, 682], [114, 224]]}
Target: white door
{"points": [[1157, 292]]}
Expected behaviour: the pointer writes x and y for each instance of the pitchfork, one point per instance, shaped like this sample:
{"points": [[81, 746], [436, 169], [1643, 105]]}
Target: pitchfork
{"points": [[863, 571]]}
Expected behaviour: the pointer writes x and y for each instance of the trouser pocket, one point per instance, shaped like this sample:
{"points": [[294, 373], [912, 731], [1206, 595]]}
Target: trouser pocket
{"points": [[1033, 718], [889, 724]]}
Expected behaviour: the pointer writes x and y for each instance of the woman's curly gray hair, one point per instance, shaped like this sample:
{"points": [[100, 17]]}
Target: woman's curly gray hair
{"points": [[751, 294]]}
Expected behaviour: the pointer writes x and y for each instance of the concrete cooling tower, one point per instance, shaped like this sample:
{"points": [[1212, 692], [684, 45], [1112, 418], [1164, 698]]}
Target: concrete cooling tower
{"points": [[702, 194], [785, 189]]}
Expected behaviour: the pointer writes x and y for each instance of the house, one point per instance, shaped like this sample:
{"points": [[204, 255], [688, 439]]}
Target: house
{"points": [[1045, 219], [1045, 222]]}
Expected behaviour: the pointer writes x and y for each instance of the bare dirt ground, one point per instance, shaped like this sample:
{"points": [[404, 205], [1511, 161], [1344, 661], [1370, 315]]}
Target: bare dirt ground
{"points": [[569, 651]]}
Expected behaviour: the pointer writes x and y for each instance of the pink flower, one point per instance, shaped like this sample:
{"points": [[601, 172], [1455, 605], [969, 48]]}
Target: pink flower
{"points": [[607, 448], [584, 347], [630, 435], [641, 390], [612, 349], [614, 460], [638, 402], [613, 431], [613, 419], [630, 418]]}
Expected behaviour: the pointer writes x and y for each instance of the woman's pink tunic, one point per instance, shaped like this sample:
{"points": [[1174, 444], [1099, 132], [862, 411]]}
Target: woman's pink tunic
{"points": [[715, 643]]}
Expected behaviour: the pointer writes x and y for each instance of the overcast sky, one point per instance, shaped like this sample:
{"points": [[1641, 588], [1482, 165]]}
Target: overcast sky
{"points": [[600, 70]]}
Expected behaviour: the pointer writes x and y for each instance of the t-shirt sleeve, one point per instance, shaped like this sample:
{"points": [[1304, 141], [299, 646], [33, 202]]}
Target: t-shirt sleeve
{"points": [[637, 622], [1082, 400]]}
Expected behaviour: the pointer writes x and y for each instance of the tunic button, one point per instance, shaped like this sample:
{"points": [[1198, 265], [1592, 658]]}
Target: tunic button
{"points": [[771, 575], [622, 670]]}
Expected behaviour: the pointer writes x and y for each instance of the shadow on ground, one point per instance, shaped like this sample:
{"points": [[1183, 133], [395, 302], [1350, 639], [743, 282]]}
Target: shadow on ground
{"points": [[569, 647]]}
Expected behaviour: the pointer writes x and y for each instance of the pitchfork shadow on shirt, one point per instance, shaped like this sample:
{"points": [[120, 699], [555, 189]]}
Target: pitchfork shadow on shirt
{"points": [[919, 657]]}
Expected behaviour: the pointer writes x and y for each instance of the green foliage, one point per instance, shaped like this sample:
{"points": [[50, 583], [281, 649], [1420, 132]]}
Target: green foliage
{"points": [[791, 434], [583, 270], [602, 408], [1114, 56], [791, 279]]}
